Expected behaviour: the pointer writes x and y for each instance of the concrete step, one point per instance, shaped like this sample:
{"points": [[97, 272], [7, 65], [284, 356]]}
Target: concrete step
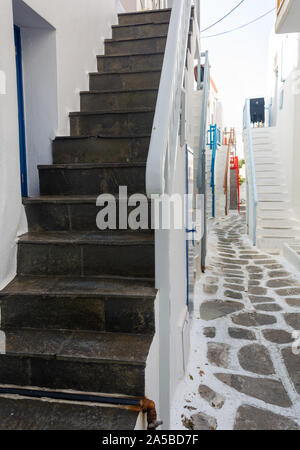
{"points": [[263, 144], [153, 16], [67, 213], [274, 205], [122, 254], [279, 221], [292, 254], [91, 179], [269, 177], [266, 167], [265, 131], [271, 186], [125, 81], [91, 150], [135, 46], [59, 415], [96, 101], [266, 153], [136, 31], [114, 305], [271, 196], [265, 174], [130, 63], [109, 363], [268, 212], [259, 159], [279, 231], [272, 243], [117, 124]]}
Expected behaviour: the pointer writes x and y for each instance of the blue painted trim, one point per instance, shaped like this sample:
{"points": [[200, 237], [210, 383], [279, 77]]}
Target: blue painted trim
{"points": [[21, 115]]}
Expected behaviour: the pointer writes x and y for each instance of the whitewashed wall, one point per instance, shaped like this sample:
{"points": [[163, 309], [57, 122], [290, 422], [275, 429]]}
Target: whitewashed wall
{"points": [[284, 94]]}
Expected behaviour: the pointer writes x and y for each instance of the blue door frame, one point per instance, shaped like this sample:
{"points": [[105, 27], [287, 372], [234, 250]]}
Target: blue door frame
{"points": [[21, 116], [214, 140]]}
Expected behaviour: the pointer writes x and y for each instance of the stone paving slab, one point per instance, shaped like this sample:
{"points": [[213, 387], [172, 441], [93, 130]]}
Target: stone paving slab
{"points": [[270, 391], [248, 326], [255, 419], [256, 359]]}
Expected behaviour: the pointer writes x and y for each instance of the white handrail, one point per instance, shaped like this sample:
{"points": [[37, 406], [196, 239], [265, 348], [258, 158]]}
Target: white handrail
{"points": [[250, 155], [164, 138]]}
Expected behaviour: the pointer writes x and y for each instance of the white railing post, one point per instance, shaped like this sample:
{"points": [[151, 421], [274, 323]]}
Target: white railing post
{"points": [[167, 114], [253, 197]]}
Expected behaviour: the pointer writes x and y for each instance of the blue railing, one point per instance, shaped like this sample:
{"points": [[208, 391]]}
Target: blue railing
{"points": [[214, 134], [252, 198]]}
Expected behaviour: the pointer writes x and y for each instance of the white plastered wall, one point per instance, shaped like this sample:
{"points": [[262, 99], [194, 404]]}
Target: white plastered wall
{"points": [[284, 95], [12, 219]]}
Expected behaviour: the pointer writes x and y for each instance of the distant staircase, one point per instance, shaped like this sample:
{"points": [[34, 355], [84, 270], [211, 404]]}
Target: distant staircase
{"points": [[276, 224], [79, 316]]}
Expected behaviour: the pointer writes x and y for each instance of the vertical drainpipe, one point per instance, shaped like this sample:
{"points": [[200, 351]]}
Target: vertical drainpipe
{"points": [[202, 157]]}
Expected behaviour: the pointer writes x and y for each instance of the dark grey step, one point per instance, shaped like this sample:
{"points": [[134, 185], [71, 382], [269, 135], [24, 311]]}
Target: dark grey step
{"points": [[92, 179], [147, 30], [70, 150], [87, 304], [155, 16], [109, 363], [135, 46], [130, 63], [117, 101], [59, 213], [58, 415], [120, 254], [117, 124], [125, 81]]}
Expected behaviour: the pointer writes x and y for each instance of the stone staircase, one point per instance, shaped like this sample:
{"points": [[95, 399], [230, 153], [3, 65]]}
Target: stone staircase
{"points": [[276, 224], [79, 316], [209, 198]]}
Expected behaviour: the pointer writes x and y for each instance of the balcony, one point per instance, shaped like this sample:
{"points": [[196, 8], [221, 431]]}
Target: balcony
{"points": [[288, 16]]}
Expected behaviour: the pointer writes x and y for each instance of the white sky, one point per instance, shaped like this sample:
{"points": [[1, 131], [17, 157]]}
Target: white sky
{"points": [[239, 60]]}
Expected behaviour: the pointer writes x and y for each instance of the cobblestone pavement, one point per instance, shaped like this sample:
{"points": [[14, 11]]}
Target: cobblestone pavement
{"points": [[244, 369]]}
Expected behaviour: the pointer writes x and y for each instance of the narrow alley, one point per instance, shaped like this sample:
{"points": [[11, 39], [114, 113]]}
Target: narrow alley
{"points": [[244, 369]]}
